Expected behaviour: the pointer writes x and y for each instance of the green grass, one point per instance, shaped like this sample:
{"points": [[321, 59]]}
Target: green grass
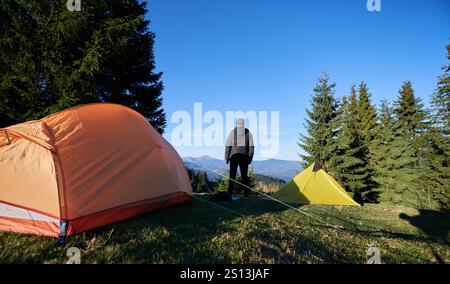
{"points": [[198, 232]]}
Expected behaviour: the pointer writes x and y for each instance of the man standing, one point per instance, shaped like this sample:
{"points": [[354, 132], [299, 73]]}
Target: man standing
{"points": [[239, 151]]}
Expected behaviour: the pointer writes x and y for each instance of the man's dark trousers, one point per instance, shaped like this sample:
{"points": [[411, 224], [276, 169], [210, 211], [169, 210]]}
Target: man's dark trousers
{"points": [[241, 161]]}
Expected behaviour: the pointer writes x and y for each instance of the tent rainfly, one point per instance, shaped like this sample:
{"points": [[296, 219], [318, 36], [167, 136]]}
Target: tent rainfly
{"points": [[83, 168], [314, 186]]}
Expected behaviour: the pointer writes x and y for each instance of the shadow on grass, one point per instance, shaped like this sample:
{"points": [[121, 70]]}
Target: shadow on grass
{"points": [[433, 228], [434, 225]]}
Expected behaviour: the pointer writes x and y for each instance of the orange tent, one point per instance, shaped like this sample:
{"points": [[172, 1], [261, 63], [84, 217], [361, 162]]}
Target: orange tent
{"points": [[83, 168]]}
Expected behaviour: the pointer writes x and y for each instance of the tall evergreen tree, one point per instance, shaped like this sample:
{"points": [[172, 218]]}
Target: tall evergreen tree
{"points": [[410, 113], [395, 162], [438, 147], [436, 176], [441, 100], [383, 147], [351, 162], [319, 143], [367, 116], [53, 59], [413, 127]]}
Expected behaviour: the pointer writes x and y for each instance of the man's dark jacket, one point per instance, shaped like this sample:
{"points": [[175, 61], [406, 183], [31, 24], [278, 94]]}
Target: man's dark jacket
{"points": [[239, 141]]}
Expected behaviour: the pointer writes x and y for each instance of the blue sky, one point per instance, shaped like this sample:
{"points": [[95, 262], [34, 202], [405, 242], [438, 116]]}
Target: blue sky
{"points": [[265, 55]]}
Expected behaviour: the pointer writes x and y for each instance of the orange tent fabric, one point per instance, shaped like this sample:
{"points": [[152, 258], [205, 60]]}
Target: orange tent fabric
{"points": [[83, 168]]}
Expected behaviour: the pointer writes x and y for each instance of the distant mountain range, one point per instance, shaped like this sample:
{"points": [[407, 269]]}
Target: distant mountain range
{"points": [[281, 169]]}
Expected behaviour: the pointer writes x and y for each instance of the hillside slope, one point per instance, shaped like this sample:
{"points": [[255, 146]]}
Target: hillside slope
{"points": [[254, 230]]}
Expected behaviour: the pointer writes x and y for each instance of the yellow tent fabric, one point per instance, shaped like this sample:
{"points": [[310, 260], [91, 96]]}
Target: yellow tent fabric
{"points": [[314, 186]]}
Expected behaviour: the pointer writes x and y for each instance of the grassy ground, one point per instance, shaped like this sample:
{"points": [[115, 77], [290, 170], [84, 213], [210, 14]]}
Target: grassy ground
{"points": [[258, 231]]}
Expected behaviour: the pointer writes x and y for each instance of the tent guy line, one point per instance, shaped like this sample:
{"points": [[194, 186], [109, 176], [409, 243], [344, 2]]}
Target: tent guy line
{"points": [[267, 196], [274, 199], [227, 209], [221, 207]]}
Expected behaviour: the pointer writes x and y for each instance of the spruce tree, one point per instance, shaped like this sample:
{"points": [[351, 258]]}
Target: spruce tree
{"points": [[394, 160], [438, 147], [414, 122], [367, 116], [382, 146], [412, 128], [410, 113], [350, 164], [436, 177], [53, 59], [321, 126], [441, 101]]}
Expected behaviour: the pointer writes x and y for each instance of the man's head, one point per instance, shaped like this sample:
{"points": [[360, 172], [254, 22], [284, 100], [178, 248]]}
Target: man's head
{"points": [[240, 122]]}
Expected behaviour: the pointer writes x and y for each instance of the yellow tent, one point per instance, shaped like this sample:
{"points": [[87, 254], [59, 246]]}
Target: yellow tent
{"points": [[314, 186]]}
